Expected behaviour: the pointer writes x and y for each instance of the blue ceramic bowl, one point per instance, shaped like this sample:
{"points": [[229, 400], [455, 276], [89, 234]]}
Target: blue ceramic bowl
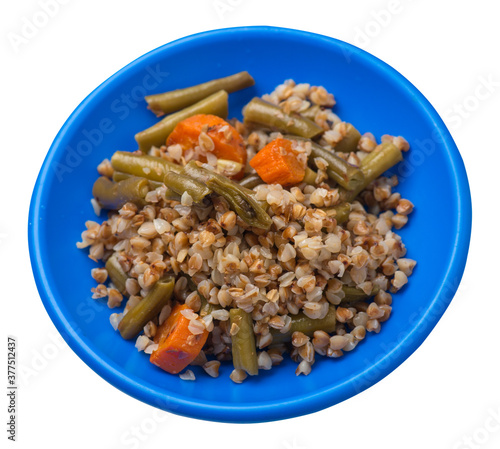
{"points": [[369, 94]]}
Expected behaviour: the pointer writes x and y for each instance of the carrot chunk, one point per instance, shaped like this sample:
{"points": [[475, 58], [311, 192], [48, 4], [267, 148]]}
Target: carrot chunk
{"points": [[177, 346], [227, 142], [279, 163]]}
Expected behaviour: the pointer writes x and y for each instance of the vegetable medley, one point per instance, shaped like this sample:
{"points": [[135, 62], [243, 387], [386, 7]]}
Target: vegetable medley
{"points": [[244, 241]]}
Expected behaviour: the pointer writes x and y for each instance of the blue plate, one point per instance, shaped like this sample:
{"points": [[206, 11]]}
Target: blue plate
{"points": [[369, 94]]}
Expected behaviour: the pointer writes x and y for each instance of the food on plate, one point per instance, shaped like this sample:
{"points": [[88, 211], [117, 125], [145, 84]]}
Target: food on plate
{"points": [[242, 241]]}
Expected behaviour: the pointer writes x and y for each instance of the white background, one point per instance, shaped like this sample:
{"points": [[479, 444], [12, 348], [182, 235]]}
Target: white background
{"points": [[448, 391]]}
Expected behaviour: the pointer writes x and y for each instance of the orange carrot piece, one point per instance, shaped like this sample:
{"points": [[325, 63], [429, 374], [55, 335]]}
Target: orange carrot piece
{"points": [[177, 346], [227, 142], [277, 163]]}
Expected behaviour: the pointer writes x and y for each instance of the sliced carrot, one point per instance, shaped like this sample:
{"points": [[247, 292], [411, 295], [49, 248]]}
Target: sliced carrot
{"points": [[278, 163], [227, 142], [177, 346]]}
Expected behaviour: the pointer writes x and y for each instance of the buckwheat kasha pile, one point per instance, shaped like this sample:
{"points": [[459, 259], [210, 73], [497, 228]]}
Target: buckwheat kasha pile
{"points": [[245, 240]]}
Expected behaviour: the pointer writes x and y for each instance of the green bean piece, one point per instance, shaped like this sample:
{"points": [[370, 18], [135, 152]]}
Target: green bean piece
{"points": [[306, 325], [206, 307], [381, 159], [350, 141], [156, 135], [262, 113], [243, 342], [169, 193], [182, 183], [150, 167], [340, 212], [310, 176], [147, 308], [251, 181], [113, 195], [338, 170], [244, 204], [311, 112], [240, 199], [353, 294], [116, 274], [120, 176], [174, 100]]}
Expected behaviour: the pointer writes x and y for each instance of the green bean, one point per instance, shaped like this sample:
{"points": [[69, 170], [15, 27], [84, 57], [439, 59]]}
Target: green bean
{"points": [[215, 104], [206, 307], [240, 199], [350, 141], [311, 112], [147, 308], [310, 176], [382, 158], [120, 176], [243, 342], [174, 100], [169, 193], [245, 205], [150, 167], [113, 195], [340, 212], [182, 183], [353, 294], [338, 170], [266, 114], [116, 274], [251, 181], [306, 325]]}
